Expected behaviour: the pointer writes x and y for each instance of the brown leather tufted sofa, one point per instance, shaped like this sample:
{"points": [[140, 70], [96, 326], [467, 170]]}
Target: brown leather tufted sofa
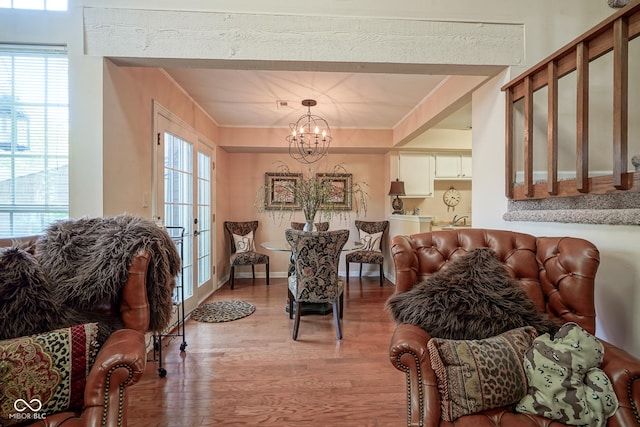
{"points": [[122, 358], [558, 273]]}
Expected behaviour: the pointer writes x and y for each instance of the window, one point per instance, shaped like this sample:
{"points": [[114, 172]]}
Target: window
{"points": [[34, 4], [34, 138]]}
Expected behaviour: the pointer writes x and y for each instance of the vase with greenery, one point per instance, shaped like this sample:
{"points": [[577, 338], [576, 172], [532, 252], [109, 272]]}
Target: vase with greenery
{"points": [[315, 194]]}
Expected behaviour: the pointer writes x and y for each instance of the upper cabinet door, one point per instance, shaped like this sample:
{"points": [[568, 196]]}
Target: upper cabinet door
{"points": [[447, 166], [465, 166], [416, 170], [453, 166]]}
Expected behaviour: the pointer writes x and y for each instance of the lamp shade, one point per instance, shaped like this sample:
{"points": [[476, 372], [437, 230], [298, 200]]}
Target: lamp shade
{"points": [[397, 188]]}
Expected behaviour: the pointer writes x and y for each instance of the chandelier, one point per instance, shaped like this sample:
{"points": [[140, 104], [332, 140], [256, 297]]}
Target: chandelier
{"points": [[310, 136]]}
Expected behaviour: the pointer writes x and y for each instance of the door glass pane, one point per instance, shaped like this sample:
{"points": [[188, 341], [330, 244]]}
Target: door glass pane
{"points": [[204, 218], [178, 199]]}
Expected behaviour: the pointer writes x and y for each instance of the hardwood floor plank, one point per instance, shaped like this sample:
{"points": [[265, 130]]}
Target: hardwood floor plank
{"points": [[251, 372]]}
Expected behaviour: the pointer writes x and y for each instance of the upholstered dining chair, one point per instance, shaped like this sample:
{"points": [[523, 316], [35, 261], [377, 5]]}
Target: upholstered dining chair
{"points": [[243, 247], [371, 236], [320, 226], [315, 280]]}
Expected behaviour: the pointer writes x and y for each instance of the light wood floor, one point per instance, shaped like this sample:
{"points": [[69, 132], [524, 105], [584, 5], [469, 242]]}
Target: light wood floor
{"points": [[251, 372]]}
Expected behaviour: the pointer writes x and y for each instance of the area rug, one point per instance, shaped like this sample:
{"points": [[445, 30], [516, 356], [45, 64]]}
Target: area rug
{"points": [[222, 311]]}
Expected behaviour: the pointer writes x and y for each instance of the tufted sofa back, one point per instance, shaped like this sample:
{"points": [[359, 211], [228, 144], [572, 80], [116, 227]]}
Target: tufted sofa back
{"points": [[558, 273]]}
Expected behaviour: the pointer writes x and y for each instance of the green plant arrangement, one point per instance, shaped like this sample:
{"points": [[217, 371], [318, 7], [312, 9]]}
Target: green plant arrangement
{"points": [[320, 195]]}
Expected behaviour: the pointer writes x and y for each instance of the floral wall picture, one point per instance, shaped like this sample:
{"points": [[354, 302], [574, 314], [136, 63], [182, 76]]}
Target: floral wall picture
{"points": [[280, 190], [339, 194]]}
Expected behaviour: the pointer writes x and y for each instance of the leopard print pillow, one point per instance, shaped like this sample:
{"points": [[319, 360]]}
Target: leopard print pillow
{"points": [[476, 375]]}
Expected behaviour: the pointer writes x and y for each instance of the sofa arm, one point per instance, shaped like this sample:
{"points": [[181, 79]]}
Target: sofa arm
{"points": [[408, 353], [134, 304], [624, 371], [119, 364]]}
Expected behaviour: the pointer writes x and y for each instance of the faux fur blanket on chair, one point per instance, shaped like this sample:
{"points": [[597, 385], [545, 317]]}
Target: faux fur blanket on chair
{"points": [[86, 261], [473, 298]]}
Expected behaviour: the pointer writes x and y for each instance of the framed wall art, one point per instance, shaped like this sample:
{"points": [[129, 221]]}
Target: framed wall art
{"points": [[280, 190], [340, 187]]}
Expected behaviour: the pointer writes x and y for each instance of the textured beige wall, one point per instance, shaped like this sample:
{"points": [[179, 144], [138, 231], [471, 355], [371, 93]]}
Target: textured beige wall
{"points": [[245, 176], [129, 94]]}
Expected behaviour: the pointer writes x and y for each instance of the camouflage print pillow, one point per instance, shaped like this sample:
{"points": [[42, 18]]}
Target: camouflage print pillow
{"points": [[565, 383], [476, 375]]}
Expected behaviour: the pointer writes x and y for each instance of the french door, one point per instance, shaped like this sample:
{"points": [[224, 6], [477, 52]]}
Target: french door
{"points": [[183, 202]]}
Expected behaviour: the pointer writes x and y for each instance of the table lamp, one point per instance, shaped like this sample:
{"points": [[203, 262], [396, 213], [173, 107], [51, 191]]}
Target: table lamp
{"points": [[397, 189]]}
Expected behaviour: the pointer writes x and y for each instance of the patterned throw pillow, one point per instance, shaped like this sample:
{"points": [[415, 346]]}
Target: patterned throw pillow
{"points": [[370, 242], [565, 382], [45, 373], [477, 375], [244, 243]]}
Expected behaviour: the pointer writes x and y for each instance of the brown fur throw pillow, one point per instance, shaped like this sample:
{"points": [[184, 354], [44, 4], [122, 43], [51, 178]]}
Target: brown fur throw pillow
{"points": [[473, 298], [26, 301]]}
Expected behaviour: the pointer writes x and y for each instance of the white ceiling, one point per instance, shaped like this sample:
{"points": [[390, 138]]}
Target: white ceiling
{"points": [[259, 98]]}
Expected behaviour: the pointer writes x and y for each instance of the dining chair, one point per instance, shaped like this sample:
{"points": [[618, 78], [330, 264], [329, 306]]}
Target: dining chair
{"points": [[320, 226], [243, 247], [371, 235], [315, 278]]}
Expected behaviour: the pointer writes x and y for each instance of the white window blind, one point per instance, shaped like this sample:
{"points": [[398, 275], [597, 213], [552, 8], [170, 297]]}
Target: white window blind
{"points": [[34, 138]]}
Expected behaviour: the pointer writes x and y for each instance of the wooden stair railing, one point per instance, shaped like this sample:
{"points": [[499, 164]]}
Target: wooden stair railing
{"points": [[613, 34]]}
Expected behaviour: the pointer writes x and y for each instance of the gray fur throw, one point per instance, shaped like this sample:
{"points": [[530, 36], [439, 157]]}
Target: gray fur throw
{"points": [[87, 261], [473, 298], [27, 303]]}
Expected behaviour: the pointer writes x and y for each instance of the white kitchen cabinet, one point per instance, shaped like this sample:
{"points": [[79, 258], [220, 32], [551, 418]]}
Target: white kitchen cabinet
{"points": [[453, 166], [416, 170]]}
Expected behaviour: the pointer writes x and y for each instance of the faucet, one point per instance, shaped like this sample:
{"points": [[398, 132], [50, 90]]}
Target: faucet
{"points": [[456, 220]]}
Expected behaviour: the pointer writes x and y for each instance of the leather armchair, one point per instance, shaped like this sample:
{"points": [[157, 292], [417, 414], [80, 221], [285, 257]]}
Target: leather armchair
{"points": [[122, 358], [558, 273]]}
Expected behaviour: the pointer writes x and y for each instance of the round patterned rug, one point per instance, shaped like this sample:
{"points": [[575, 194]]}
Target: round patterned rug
{"points": [[222, 311]]}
